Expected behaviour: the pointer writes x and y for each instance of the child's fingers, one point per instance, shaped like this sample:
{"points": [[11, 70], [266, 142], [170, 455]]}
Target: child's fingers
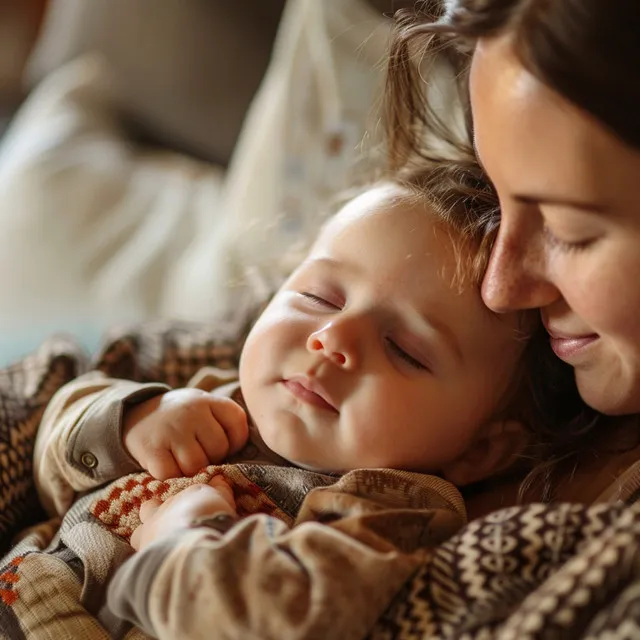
{"points": [[148, 508], [224, 489], [233, 420], [214, 441], [162, 465], [134, 541], [189, 455]]}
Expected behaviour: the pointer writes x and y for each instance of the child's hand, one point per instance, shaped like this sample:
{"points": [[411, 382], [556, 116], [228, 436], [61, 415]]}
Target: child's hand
{"points": [[183, 431], [181, 510]]}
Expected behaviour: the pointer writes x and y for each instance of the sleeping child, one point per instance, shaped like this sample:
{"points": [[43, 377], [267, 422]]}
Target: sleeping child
{"points": [[373, 384]]}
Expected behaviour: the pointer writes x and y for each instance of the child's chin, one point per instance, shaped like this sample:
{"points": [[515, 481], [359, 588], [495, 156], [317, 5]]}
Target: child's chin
{"points": [[311, 467]]}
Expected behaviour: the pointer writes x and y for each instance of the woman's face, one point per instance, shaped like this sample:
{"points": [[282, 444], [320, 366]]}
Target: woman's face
{"points": [[569, 241]]}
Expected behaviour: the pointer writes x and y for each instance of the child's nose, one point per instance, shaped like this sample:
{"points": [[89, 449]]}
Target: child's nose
{"points": [[337, 342]]}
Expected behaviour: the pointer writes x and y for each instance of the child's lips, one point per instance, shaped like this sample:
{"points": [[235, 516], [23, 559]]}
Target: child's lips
{"points": [[310, 391]]}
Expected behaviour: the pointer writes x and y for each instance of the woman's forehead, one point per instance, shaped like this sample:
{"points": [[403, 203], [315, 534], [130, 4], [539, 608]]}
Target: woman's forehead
{"points": [[531, 139]]}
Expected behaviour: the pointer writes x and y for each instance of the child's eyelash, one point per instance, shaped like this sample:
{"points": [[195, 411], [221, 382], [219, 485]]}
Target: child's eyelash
{"points": [[312, 297], [410, 360]]}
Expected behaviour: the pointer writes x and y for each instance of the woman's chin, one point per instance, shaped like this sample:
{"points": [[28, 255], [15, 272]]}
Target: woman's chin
{"points": [[612, 395]]}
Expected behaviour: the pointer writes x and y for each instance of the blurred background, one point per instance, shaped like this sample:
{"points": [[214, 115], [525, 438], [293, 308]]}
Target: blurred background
{"points": [[19, 26], [173, 158]]}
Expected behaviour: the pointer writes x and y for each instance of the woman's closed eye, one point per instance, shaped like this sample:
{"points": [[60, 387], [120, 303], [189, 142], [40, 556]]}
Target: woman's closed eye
{"points": [[569, 229], [399, 352], [564, 245]]}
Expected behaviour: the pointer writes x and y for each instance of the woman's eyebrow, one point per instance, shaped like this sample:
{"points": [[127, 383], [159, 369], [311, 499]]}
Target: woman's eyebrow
{"points": [[532, 199], [559, 201]]}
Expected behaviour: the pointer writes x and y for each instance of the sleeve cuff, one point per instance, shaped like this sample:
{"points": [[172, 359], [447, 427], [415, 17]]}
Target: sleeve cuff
{"points": [[96, 448], [128, 593], [219, 522]]}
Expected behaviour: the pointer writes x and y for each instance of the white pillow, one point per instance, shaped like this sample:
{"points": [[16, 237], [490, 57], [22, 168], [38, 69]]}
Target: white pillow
{"points": [[311, 133], [90, 225]]}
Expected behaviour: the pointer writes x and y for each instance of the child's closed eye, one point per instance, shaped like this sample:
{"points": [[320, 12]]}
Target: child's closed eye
{"points": [[399, 352], [321, 301]]}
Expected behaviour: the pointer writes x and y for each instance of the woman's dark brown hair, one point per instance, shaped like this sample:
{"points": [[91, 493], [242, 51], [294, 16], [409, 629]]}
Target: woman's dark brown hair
{"points": [[588, 51]]}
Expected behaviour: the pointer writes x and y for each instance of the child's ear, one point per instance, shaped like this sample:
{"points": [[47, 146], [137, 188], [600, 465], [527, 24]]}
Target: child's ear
{"points": [[495, 451]]}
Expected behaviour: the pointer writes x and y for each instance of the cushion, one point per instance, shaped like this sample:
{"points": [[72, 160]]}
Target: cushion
{"points": [[184, 70], [90, 223]]}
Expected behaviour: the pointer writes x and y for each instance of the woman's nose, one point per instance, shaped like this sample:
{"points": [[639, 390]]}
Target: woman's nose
{"points": [[337, 341], [516, 276]]}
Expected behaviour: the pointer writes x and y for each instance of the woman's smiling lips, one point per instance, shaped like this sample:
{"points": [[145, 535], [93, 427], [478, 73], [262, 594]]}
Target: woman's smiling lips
{"points": [[309, 391], [567, 346]]}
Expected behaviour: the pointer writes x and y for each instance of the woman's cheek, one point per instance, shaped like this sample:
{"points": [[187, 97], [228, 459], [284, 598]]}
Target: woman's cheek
{"points": [[602, 304]]}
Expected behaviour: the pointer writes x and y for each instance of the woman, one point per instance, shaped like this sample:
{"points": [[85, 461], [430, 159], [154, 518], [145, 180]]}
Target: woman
{"points": [[550, 92]]}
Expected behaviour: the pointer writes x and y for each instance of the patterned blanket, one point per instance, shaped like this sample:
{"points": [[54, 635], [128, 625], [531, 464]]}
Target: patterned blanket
{"points": [[537, 571]]}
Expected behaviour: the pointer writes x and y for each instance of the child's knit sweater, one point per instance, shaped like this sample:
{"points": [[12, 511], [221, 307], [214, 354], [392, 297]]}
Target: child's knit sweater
{"points": [[313, 555]]}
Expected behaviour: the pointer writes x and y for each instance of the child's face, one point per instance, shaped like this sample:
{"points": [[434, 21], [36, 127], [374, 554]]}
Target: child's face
{"points": [[368, 357]]}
